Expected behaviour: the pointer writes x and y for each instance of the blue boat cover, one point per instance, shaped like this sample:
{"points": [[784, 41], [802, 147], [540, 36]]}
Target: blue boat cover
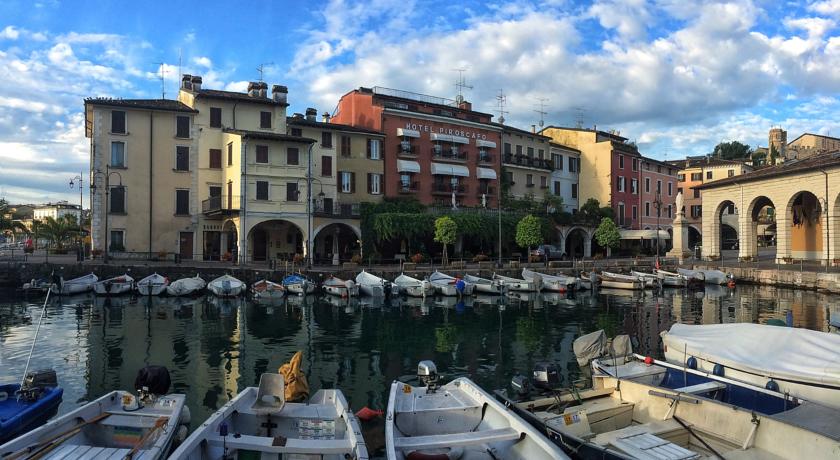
{"points": [[293, 279], [20, 416]]}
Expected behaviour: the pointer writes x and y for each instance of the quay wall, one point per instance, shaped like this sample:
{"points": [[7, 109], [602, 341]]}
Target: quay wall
{"points": [[809, 280]]}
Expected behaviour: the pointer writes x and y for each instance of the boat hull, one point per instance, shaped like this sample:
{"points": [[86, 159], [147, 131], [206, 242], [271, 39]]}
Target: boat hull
{"points": [[113, 288], [520, 285], [19, 416], [185, 287], [622, 284]]}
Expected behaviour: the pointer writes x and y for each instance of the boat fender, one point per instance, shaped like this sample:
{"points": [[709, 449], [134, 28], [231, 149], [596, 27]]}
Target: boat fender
{"points": [[772, 385], [718, 370], [648, 361], [366, 414], [731, 284], [182, 434], [186, 417], [447, 453], [691, 363], [460, 285]]}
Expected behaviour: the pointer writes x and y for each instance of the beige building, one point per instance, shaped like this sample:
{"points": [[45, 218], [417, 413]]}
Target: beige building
{"points": [[804, 146], [526, 163], [56, 210]]}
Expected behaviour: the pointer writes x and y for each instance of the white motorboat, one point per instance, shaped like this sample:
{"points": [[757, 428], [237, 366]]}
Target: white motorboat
{"points": [[556, 283], [451, 286], [651, 280], [457, 420], [117, 425], [618, 281], [485, 285], [708, 276], [677, 280], [374, 286], [226, 286], [588, 281], [259, 423], [518, 284], [801, 362], [77, 285], [298, 284], [339, 287], [414, 287], [153, 284], [114, 286], [186, 286], [267, 290]]}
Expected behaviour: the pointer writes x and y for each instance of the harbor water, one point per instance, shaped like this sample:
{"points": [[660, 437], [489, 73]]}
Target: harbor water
{"points": [[214, 347]]}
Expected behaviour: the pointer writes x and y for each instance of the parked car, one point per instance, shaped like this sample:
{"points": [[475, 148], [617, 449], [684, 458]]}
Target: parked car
{"points": [[554, 252]]}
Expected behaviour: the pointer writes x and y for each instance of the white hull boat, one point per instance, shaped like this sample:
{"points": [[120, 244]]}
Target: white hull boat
{"points": [[619, 281], [114, 286], [340, 288], [186, 286], [267, 290], [226, 286], [588, 281], [669, 279], [458, 420], [78, 285], [800, 362], [518, 284], [39, 285], [708, 276], [153, 284], [298, 284], [553, 283], [258, 423], [372, 285], [451, 286], [414, 287], [486, 286]]}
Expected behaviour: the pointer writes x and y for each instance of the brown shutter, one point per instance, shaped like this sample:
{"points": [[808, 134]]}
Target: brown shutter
{"points": [[368, 182], [368, 149], [326, 166], [352, 182]]}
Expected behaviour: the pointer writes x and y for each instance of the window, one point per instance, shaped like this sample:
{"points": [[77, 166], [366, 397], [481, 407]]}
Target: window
{"points": [[543, 182], [635, 165], [696, 193], [696, 210], [215, 117], [730, 173], [634, 186], [659, 168], [679, 190], [670, 188], [117, 242], [519, 150], [659, 186], [262, 154], [265, 120], [573, 164], [558, 162], [118, 154], [118, 200], [620, 183], [215, 158], [182, 158], [373, 149], [292, 156], [346, 184], [182, 202], [621, 214], [508, 151], [509, 175], [297, 132], [635, 212], [262, 190], [215, 190], [621, 162], [230, 154], [647, 184], [574, 190], [669, 211], [374, 183], [118, 122], [326, 166], [541, 154], [326, 139], [708, 175], [529, 180], [291, 191], [345, 146], [530, 152], [680, 177], [696, 176], [182, 127], [647, 208], [556, 188]]}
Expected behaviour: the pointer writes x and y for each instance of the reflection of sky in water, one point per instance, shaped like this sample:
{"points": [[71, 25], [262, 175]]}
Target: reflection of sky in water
{"points": [[214, 347]]}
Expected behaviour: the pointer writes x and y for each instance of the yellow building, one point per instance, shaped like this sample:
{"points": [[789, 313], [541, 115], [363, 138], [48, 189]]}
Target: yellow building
{"points": [[804, 146]]}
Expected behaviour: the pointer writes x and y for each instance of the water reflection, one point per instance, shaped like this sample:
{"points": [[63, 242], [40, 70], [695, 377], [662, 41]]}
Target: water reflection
{"points": [[214, 347]]}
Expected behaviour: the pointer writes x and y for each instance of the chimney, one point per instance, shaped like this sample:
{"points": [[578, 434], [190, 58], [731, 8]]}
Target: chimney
{"points": [[311, 114], [465, 105], [263, 89], [298, 116], [196, 83], [326, 117], [186, 82], [253, 89], [534, 129], [279, 93]]}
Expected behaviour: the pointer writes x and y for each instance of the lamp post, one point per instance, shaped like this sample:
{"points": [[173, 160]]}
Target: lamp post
{"points": [[81, 250], [658, 203], [321, 195], [107, 176]]}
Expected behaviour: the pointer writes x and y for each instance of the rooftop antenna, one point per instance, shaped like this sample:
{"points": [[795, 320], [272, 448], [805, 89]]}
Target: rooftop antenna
{"points": [[579, 112], [542, 111], [261, 68], [179, 63], [161, 70], [461, 84], [501, 100]]}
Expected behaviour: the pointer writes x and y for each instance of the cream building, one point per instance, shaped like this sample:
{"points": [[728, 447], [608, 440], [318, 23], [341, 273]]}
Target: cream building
{"points": [[804, 146], [565, 178], [526, 164], [56, 210]]}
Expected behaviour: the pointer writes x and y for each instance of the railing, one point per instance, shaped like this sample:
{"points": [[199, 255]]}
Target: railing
{"points": [[449, 154], [406, 149], [219, 204], [338, 210], [484, 157], [449, 188], [410, 187], [490, 191], [524, 160]]}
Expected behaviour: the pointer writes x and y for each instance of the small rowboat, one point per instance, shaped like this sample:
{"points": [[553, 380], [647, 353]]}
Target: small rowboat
{"points": [[708, 276], [450, 285], [339, 287], [518, 284], [298, 284], [23, 409], [114, 286], [372, 285], [153, 284], [668, 277], [226, 286], [556, 283], [619, 281], [267, 290], [486, 286], [39, 285], [77, 285], [186, 286], [414, 287]]}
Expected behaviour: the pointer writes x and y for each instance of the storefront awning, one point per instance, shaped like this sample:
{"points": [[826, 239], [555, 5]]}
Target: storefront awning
{"points": [[485, 173], [644, 235], [449, 138], [407, 132], [440, 169], [482, 143], [408, 166]]}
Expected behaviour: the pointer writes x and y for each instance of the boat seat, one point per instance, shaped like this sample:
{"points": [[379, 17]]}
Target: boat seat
{"points": [[130, 420], [701, 388], [293, 445], [271, 395], [645, 446], [76, 452], [456, 439]]}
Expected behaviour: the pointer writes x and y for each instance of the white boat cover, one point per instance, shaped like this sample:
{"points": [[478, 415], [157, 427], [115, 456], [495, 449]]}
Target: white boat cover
{"points": [[153, 280], [530, 274], [780, 352], [477, 279], [186, 285], [368, 279], [407, 281]]}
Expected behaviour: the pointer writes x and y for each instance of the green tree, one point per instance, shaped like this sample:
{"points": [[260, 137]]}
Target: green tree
{"points": [[529, 232], [446, 231], [7, 224], [591, 211], [607, 234], [732, 151], [59, 231], [553, 203], [759, 158]]}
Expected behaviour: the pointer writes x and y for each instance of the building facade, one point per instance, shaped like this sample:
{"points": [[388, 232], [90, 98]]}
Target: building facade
{"points": [[565, 176], [526, 163], [57, 210], [804, 146], [436, 150]]}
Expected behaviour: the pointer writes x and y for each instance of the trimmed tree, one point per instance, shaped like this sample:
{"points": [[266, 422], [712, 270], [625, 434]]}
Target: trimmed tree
{"points": [[529, 232], [446, 231], [607, 234]]}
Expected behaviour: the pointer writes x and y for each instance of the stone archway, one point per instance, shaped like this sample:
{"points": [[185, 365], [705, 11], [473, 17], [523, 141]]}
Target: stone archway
{"points": [[761, 212], [275, 239], [576, 246], [695, 237], [805, 232], [335, 243]]}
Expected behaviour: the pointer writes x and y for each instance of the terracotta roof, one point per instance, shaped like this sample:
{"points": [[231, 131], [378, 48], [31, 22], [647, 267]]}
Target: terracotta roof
{"points": [[334, 126], [696, 162], [270, 136], [816, 162], [237, 96], [602, 133], [813, 134], [142, 104]]}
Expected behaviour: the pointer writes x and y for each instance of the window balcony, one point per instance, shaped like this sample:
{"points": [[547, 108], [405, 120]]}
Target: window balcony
{"points": [[405, 148], [220, 205], [337, 210], [441, 153], [408, 187], [489, 191], [525, 160], [484, 157], [459, 189]]}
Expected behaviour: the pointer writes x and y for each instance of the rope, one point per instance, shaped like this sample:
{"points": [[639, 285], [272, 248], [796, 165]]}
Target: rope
{"points": [[37, 328]]}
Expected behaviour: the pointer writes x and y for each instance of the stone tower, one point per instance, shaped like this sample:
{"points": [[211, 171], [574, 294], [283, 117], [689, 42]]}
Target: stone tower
{"points": [[778, 139]]}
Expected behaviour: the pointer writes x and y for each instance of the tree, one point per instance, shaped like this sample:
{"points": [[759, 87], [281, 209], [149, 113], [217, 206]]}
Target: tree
{"points": [[7, 224], [59, 231], [446, 231], [529, 232], [553, 203], [732, 151], [591, 211], [607, 234]]}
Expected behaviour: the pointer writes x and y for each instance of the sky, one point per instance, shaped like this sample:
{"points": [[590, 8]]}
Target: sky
{"points": [[675, 76]]}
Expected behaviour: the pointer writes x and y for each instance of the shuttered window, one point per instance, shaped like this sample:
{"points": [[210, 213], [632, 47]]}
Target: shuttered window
{"points": [[216, 158], [117, 200], [182, 202], [265, 120], [262, 154], [345, 146], [292, 156], [326, 139], [215, 117], [118, 122], [182, 158], [182, 127], [262, 190], [291, 191], [326, 166], [230, 154]]}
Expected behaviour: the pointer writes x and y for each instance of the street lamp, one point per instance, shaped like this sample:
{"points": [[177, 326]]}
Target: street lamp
{"points": [[107, 176], [80, 180], [657, 202], [321, 196]]}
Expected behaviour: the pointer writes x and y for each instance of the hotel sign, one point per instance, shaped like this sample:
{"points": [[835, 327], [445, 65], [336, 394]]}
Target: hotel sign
{"points": [[422, 128]]}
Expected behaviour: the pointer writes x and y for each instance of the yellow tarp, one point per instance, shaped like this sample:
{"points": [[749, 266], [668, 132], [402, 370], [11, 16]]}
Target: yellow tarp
{"points": [[297, 388]]}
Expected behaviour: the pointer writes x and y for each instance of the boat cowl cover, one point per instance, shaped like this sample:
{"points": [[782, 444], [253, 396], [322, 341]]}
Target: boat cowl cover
{"points": [[590, 346], [621, 346], [155, 378]]}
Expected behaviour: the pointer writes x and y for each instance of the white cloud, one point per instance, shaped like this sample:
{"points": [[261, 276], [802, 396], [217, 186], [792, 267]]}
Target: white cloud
{"points": [[203, 61], [629, 18], [828, 7], [9, 33]]}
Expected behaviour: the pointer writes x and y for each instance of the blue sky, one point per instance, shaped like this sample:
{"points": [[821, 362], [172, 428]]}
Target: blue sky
{"points": [[676, 76]]}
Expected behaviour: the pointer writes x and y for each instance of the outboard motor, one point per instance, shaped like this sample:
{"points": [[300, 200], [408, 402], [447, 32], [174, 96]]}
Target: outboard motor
{"points": [[427, 373], [37, 382], [152, 381], [521, 385], [546, 376]]}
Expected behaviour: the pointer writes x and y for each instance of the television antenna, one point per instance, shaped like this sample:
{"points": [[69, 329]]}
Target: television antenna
{"points": [[161, 71], [542, 111], [461, 84], [261, 68], [501, 100], [579, 114]]}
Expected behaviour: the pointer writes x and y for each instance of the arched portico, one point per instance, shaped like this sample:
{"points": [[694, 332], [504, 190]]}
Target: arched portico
{"points": [[335, 242], [274, 239]]}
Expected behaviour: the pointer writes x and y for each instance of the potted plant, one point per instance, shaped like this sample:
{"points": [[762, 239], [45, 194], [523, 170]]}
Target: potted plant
{"points": [[356, 259], [417, 258]]}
